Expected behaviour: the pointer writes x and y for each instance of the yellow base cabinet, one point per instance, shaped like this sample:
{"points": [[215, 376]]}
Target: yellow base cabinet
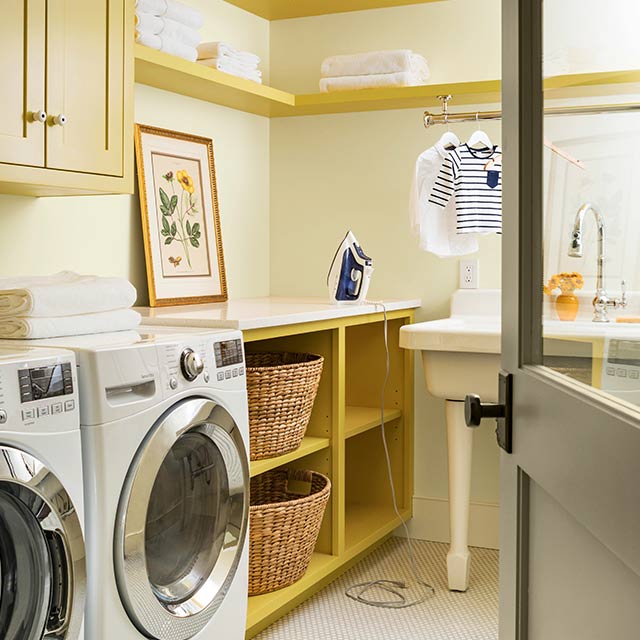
{"points": [[344, 441], [66, 98]]}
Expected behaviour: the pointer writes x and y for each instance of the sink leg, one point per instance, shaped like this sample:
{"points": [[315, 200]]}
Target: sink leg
{"points": [[460, 442]]}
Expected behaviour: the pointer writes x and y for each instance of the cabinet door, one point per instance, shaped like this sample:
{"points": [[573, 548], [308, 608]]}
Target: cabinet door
{"points": [[22, 50], [85, 84]]}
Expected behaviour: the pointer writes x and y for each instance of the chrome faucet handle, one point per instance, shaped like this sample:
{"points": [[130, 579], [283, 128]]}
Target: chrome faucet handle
{"points": [[622, 301]]}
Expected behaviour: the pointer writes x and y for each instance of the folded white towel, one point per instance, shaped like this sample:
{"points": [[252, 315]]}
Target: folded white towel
{"points": [[376, 62], [168, 45], [232, 67], [172, 10], [148, 23], [104, 322], [63, 294], [346, 83], [208, 50]]}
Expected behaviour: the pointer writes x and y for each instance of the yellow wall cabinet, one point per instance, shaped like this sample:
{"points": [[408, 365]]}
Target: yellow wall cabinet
{"points": [[66, 97]]}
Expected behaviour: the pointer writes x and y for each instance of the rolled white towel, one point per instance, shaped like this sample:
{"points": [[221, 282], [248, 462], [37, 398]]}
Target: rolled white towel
{"points": [[375, 62], [105, 322], [347, 83], [208, 50], [148, 23], [227, 65], [63, 294], [168, 45], [172, 10]]}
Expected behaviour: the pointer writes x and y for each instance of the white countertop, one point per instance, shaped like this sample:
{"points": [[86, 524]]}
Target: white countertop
{"points": [[257, 313]]}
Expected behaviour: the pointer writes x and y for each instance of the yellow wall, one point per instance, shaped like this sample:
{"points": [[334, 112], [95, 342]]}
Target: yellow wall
{"points": [[101, 234], [332, 173]]}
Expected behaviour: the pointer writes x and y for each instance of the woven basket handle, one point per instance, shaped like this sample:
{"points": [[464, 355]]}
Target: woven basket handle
{"points": [[300, 482]]}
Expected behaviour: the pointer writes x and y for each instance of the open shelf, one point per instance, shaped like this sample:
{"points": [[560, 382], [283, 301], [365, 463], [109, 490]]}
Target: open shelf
{"points": [[163, 71], [367, 523], [361, 419], [282, 9], [268, 606], [309, 445]]}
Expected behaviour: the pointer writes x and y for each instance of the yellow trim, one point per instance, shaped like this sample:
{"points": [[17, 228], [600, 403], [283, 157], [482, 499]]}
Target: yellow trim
{"points": [[163, 71], [283, 9], [309, 445]]}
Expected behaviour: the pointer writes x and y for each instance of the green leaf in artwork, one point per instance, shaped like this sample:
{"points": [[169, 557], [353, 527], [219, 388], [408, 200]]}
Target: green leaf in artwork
{"points": [[196, 227], [169, 240], [164, 211], [165, 226], [188, 228], [174, 203], [174, 229], [164, 198], [164, 232], [194, 242]]}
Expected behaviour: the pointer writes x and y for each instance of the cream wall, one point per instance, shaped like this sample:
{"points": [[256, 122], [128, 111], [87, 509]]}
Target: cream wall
{"points": [[332, 173], [102, 234]]}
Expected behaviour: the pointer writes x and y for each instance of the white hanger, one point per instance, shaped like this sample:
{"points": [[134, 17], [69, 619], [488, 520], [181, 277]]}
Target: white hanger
{"points": [[449, 140], [480, 137]]}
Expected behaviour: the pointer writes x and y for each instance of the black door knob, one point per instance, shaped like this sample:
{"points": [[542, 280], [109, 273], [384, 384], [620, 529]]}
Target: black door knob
{"points": [[475, 411]]}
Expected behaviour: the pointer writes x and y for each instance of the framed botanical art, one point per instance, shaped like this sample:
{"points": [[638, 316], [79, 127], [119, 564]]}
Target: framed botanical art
{"points": [[180, 217]]}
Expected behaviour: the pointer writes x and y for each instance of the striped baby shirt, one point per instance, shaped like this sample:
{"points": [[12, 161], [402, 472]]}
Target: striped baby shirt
{"points": [[474, 178]]}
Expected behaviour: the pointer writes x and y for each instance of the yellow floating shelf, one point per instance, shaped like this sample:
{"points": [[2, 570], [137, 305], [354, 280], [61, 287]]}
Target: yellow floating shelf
{"points": [[367, 523], [282, 9], [170, 73], [361, 419], [163, 71], [309, 445], [269, 606]]}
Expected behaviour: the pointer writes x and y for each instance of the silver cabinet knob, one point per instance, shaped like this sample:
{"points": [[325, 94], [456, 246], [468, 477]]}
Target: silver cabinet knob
{"points": [[38, 116], [191, 364], [60, 120]]}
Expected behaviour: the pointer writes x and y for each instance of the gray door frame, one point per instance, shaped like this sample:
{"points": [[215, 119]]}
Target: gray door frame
{"points": [[581, 447]]}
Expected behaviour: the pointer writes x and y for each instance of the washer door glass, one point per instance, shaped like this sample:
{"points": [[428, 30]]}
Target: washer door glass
{"points": [[25, 572], [187, 518], [182, 520], [42, 553]]}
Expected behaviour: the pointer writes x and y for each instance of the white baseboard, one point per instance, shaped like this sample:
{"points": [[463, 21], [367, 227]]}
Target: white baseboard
{"points": [[431, 522]]}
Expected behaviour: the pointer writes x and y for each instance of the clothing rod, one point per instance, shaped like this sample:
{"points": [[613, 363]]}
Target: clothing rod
{"points": [[431, 119]]}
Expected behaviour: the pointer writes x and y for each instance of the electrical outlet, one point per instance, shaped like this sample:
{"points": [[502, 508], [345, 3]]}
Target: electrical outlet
{"points": [[469, 274]]}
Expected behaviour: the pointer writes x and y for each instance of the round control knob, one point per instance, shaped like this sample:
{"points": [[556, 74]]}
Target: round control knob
{"points": [[191, 364]]}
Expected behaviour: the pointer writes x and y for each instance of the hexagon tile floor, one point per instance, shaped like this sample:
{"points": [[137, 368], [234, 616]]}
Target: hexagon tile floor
{"points": [[330, 615]]}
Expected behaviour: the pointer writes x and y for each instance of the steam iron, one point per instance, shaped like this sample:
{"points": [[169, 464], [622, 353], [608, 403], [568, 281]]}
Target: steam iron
{"points": [[350, 273]]}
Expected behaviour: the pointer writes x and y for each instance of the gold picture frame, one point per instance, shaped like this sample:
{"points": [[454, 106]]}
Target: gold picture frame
{"points": [[180, 217]]}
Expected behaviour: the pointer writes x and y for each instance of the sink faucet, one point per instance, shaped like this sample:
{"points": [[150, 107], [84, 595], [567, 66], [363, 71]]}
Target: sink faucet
{"points": [[601, 302]]}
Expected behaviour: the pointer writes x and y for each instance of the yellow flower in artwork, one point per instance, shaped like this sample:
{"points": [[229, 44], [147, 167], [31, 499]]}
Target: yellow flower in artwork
{"points": [[185, 180]]}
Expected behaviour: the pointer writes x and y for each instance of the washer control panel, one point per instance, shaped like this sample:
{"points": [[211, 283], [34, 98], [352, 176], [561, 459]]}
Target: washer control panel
{"points": [[38, 391]]}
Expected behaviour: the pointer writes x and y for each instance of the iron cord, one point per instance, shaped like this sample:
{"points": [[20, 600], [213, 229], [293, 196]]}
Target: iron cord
{"points": [[398, 589]]}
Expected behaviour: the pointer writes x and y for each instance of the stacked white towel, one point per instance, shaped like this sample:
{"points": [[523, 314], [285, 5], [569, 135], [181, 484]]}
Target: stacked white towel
{"points": [[394, 68], [169, 26], [223, 57], [65, 304]]}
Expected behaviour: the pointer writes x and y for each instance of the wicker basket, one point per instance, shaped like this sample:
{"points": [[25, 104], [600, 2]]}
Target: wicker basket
{"points": [[284, 526], [282, 388]]}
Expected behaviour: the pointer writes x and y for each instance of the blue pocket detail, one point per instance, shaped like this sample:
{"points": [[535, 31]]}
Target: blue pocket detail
{"points": [[492, 178]]}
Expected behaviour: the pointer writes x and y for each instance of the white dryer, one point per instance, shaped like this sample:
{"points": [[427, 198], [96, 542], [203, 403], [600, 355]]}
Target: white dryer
{"points": [[165, 438], [42, 551]]}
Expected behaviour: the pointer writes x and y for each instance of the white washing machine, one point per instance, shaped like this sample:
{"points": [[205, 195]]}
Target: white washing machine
{"points": [[42, 551], [165, 440]]}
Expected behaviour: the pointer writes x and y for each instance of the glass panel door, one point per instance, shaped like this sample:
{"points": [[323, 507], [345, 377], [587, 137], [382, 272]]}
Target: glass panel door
{"points": [[591, 138]]}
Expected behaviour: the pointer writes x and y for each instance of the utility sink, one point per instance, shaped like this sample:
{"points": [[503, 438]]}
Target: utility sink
{"points": [[461, 354]]}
